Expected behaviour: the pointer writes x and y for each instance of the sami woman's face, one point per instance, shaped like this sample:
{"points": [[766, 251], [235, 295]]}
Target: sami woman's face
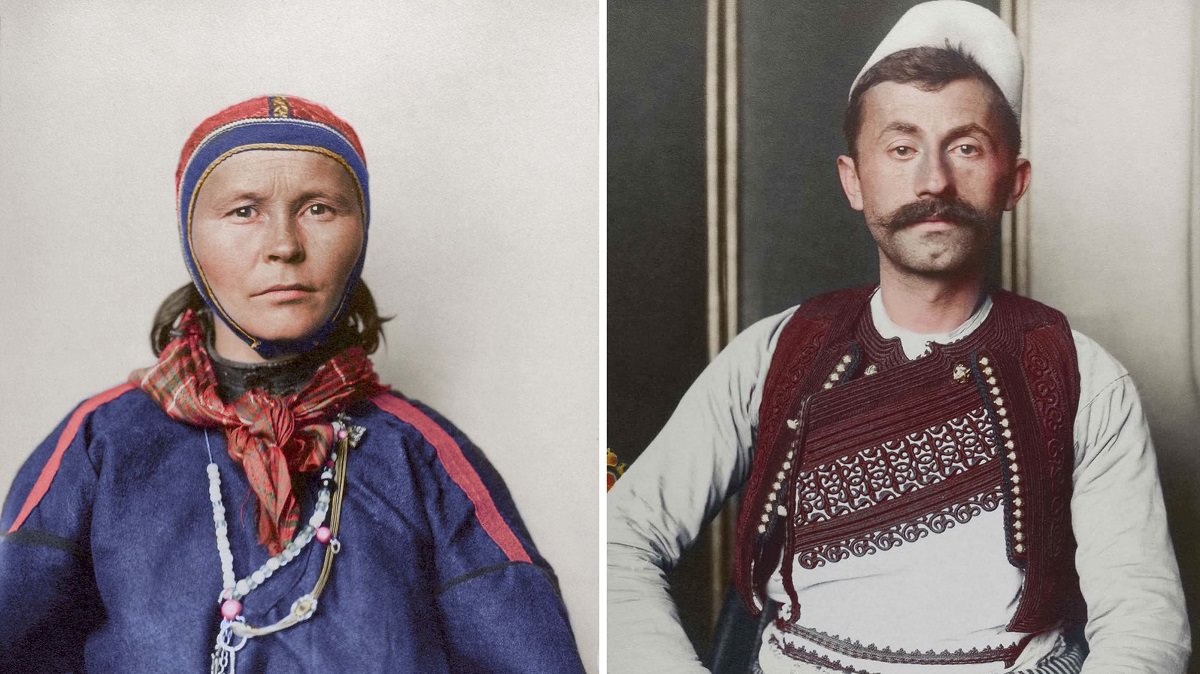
{"points": [[276, 234]]}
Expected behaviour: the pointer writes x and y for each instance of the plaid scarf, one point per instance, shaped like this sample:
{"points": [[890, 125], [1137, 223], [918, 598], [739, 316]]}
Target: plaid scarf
{"points": [[274, 438]]}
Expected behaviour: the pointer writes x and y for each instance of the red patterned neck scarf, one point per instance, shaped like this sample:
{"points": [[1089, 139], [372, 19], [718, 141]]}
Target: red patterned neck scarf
{"points": [[274, 438]]}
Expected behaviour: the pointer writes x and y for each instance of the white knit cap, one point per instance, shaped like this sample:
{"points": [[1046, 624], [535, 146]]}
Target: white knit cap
{"points": [[981, 34]]}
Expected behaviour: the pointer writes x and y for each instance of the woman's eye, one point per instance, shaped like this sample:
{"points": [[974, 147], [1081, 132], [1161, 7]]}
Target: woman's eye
{"points": [[245, 212]]}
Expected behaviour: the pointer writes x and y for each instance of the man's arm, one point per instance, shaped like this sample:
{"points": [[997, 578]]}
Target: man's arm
{"points": [[658, 507], [1127, 569]]}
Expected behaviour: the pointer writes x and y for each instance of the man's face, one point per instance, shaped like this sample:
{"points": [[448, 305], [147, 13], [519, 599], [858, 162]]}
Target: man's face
{"points": [[932, 176], [276, 234]]}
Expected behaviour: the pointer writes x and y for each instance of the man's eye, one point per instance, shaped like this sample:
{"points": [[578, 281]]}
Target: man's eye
{"points": [[245, 212], [319, 209], [903, 151], [967, 150]]}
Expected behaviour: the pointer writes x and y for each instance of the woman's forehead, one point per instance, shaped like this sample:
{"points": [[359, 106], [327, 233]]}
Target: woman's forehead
{"points": [[274, 170]]}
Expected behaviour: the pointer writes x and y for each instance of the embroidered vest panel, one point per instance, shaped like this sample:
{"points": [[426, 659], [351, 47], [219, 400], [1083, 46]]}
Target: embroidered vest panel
{"points": [[892, 457], [860, 449], [801, 356]]}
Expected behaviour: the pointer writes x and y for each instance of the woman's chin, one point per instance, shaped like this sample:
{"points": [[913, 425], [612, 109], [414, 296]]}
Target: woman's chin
{"points": [[283, 326], [284, 335]]}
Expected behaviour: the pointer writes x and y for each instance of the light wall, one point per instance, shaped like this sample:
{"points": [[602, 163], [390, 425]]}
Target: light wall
{"points": [[1112, 108], [480, 123]]}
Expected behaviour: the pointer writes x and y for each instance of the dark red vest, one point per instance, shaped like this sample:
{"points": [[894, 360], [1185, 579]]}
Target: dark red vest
{"points": [[836, 387]]}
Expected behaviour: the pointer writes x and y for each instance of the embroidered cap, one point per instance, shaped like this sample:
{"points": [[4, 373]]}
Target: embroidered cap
{"points": [[285, 123], [981, 34]]}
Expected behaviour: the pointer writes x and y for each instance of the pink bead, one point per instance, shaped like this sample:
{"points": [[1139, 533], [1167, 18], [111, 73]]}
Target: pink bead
{"points": [[323, 534], [230, 609], [329, 464], [342, 434]]}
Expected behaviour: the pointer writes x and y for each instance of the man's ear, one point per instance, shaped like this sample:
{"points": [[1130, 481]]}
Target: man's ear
{"points": [[1021, 176], [848, 173]]}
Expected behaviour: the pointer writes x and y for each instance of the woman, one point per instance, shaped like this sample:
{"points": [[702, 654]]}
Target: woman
{"points": [[256, 500]]}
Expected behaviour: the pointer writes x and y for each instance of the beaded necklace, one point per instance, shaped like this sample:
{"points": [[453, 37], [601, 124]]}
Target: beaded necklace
{"points": [[234, 631]]}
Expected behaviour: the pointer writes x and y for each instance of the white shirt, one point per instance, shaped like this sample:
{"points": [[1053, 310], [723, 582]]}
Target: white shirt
{"points": [[1128, 574]]}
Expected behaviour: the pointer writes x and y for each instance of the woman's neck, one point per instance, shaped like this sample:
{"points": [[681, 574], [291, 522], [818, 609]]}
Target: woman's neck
{"points": [[239, 370]]}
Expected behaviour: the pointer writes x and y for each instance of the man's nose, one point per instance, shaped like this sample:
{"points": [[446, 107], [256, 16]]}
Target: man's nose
{"points": [[934, 177]]}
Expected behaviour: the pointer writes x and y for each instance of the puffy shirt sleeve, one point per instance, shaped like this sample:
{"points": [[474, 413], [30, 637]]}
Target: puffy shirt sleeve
{"points": [[1127, 569], [659, 506], [498, 600]]}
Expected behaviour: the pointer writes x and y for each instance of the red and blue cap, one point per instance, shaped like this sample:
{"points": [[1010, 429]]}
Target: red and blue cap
{"points": [[283, 123]]}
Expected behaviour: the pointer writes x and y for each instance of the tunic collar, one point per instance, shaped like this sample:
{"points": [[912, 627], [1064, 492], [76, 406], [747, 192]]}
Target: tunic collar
{"points": [[278, 378]]}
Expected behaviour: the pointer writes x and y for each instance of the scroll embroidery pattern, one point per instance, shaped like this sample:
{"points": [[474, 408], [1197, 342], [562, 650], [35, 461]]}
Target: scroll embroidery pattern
{"points": [[886, 476], [905, 532], [1049, 394], [878, 474]]}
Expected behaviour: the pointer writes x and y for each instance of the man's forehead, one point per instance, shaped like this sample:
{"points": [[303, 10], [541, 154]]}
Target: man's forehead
{"points": [[911, 108]]}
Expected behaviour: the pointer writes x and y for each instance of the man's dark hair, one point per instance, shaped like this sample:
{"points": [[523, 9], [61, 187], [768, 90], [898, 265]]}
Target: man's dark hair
{"points": [[930, 69], [361, 326]]}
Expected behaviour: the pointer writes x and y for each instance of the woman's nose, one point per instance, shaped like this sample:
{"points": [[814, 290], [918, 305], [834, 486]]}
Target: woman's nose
{"points": [[284, 242]]}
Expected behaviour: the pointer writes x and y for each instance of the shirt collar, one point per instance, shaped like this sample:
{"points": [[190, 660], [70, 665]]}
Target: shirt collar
{"points": [[917, 344]]}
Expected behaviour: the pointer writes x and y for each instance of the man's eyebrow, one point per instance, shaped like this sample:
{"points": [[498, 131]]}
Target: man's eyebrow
{"points": [[961, 130], [968, 129], [900, 127]]}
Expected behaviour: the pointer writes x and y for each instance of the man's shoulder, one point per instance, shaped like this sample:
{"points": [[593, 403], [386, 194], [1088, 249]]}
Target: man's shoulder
{"points": [[836, 302], [1099, 370], [1029, 312], [815, 316]]}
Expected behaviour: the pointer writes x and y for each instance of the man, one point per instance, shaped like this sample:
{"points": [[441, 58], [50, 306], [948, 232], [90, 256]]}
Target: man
{"points": [[937, 478]]}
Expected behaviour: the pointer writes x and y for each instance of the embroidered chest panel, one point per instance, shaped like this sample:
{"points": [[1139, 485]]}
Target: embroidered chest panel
{"points": [[901, 454]]}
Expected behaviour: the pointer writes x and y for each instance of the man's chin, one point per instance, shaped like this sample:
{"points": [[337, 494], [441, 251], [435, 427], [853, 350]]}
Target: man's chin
{"points": [[934, 226], [937, 261], [940, 268]]}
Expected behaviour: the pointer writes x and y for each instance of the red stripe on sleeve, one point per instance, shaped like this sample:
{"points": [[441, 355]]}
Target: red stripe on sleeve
{"points": [[460, 470], [51, 468]]}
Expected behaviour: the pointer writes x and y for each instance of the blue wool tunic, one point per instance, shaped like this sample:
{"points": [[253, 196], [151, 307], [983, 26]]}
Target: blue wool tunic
{"points": [[116, 567]]}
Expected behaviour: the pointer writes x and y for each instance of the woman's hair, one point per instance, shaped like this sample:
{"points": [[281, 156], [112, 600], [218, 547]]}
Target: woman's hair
{"points": [[361, 326]]}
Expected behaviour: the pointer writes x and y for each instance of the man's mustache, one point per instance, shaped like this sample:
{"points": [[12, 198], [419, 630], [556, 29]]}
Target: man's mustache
{"points": [[950, 210]]}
